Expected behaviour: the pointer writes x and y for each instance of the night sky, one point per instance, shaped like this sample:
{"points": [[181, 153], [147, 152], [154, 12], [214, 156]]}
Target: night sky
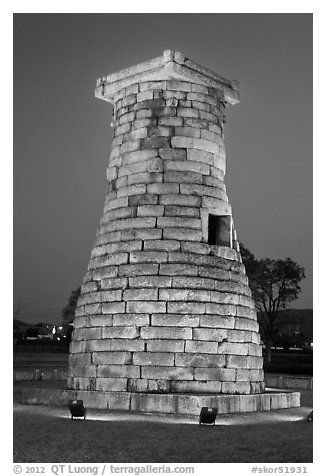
{"points": [[62, 135]]}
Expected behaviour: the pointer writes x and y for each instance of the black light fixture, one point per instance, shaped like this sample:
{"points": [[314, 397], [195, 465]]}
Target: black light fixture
{"points": [[207, 416], [77, 409]]}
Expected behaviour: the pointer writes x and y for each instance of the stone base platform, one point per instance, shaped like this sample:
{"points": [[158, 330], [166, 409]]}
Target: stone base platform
{"points": [[169, 404]]}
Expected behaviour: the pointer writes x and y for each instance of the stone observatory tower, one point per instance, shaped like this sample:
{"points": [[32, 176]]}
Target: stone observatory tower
{"points": [[165, 310]]}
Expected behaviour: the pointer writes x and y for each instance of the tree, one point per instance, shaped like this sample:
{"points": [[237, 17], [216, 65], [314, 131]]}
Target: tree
{"points": [[68, 312], [274, 284]]}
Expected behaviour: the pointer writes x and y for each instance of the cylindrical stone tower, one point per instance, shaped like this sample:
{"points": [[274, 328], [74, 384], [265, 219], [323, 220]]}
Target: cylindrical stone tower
{"points": [[165, 305]]}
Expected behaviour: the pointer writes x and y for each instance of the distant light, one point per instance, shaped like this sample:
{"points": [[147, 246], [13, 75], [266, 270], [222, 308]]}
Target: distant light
{"points": [[53, 330], [60, 328], [311, 344]]}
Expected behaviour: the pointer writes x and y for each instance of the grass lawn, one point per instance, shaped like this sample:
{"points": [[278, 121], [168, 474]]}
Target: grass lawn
{"points": [[51, 439], [47, 439]]}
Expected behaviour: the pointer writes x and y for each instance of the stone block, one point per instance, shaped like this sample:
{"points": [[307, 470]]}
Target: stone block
{"points": [[230, 348], [150, 281], [172, 154], [153, 358], [178, 221], [246, 324], [92, 333], [128, 345], [170, 121], [118, 371], [181, 211], [165, 345], [199, 360], [188, 112], [255, 349], [83, 370], [160, 332], [164, 112], [224, 298], [138, 269], [118, 401], [149, 403], [237, 362], [131, 320], [100, 321], [139, 156], [81, 321], [182, 234], [162, 245], [216, 321], [160, 131], [184, 295], [77, 346], [150, 210], [154, 142], [150, 307], [210, 334], [121, 332], [236, 387], [149, 386], [98, 345], [193, 386], [111, 384], [140, 114], [130, 116], [163, 188], [142, 234], [178, 85], [248, 375], [149, 104], [201, 347], [139, 222], [221, 375], [246, 312], [187, 131], [185, 308], [180, 200], [113, 358], [190, 282], [140, 294], [137, 189], [220, 309], [143, 200], [167, 373], [239, 336], [177, 320], [178, 269], [148, 257], [179, 176], [113, 307], [181, 141], [196, 248], [204, 190], [114, 283], [80, 358], [110, 296]]}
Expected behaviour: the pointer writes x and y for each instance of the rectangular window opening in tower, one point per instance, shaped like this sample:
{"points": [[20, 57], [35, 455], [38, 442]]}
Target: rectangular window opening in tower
{"points": [[219, 230]]}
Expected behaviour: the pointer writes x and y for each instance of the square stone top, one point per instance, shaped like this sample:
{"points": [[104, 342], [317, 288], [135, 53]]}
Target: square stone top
{"points": [[172, 65]]}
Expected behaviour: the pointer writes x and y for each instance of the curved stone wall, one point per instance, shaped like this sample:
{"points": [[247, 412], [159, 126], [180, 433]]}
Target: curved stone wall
{"points": [[161, 309]]}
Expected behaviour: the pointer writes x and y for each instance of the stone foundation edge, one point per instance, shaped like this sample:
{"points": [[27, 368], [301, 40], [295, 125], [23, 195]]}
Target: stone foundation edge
{"points": [[171, 404]]}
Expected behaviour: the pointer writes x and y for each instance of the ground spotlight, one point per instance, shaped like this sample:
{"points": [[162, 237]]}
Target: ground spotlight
{"points": [[207, 416], [77, 409]]}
